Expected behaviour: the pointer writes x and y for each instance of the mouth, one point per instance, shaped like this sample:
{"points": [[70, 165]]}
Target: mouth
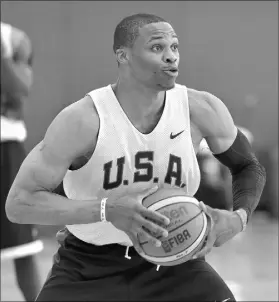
{"points": [[173, 72]]}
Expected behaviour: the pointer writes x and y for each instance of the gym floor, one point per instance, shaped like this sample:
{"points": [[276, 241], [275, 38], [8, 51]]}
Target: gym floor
{"points": [[248, 263]]}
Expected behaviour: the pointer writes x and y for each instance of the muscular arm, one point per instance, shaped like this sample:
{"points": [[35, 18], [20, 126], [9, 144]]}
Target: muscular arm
{"points": [[16, 71], [31, 200], [231, 148]]}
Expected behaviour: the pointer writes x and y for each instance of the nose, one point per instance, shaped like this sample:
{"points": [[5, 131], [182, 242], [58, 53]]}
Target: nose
{"points": [[170, 57]]}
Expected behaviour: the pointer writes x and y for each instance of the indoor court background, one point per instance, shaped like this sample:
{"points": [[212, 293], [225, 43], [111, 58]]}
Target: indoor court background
{"points": [[229, 48]]}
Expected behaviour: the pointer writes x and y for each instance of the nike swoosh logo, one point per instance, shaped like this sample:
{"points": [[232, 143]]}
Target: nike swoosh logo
{"points": [[172, 136]]}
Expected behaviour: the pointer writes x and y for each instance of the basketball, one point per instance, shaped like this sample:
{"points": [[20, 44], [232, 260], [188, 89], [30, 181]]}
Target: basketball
{"points": [[188, 227]]}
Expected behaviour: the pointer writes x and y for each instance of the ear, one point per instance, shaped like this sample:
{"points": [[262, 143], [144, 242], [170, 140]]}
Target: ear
{"points": [[122, 55]]}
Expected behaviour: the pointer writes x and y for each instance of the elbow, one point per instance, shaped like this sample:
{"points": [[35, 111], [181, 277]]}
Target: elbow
{"points": [[12, 213], [11, 216], [15, 208]]}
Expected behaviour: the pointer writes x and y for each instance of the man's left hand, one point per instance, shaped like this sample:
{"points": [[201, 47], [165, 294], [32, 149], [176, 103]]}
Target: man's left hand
{"points": [[224, 226]]}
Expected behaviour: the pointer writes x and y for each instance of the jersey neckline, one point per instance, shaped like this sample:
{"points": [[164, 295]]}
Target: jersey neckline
{"points": [[123, 113]]}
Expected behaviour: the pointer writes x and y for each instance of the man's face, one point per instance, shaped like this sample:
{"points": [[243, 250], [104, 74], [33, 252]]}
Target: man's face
{"points": [[154, 57]]}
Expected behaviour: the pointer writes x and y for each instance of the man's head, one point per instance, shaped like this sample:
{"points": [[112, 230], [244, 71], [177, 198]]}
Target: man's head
{"points": [[146, 49]]}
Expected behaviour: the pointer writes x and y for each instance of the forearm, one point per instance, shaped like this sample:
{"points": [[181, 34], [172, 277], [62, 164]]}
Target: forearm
{"points": [[247, 188], [14, 79], [48, 208], [248, 175]]}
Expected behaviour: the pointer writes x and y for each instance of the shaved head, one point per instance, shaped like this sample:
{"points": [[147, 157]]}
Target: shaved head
{"points": [[146, 49], [127, 31]]}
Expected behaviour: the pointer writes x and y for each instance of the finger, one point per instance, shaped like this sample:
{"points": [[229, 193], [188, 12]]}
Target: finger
{"points": [[148, 237], [154, 229], [148, 192], [154, 216], [203, 206]]}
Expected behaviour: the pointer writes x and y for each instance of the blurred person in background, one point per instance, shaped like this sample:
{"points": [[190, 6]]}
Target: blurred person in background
{"points": [[274, 182], [17, 241], [269, 200]]}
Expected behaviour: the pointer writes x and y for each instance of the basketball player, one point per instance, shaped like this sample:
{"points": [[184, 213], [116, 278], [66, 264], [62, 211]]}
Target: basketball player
{"points": [[114, 147], [17, 242]]}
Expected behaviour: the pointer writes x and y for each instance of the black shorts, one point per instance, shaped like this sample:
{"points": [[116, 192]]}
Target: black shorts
{"points": [[17, 240], [86, 272]]}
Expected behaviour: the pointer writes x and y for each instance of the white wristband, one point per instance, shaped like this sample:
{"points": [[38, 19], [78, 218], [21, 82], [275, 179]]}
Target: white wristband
{"points": [[103, 210]]}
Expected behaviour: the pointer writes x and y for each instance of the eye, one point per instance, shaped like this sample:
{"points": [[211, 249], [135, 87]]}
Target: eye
{"points": [[156, 47], [175, 47]]}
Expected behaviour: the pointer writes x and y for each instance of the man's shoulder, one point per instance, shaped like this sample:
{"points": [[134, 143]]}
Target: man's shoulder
{"points": [[86, 105], [203, 100], [198, 100], [82, 113], [208, 113], [194, 94], [197, 95], [74, 130]]}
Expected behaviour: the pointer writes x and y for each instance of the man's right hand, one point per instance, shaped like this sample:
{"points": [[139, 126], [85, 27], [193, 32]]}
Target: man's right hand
{"points": [[129, 215]]}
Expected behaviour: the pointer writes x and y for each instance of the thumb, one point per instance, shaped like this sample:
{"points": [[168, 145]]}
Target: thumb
{"points": [[208, 211]]}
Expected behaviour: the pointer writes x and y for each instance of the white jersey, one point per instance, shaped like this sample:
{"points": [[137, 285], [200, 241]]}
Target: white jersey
{"points": [[125, 161]]}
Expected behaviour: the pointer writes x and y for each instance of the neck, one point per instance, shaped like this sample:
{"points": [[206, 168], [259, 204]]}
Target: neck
{"points": [[138, 101]]}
